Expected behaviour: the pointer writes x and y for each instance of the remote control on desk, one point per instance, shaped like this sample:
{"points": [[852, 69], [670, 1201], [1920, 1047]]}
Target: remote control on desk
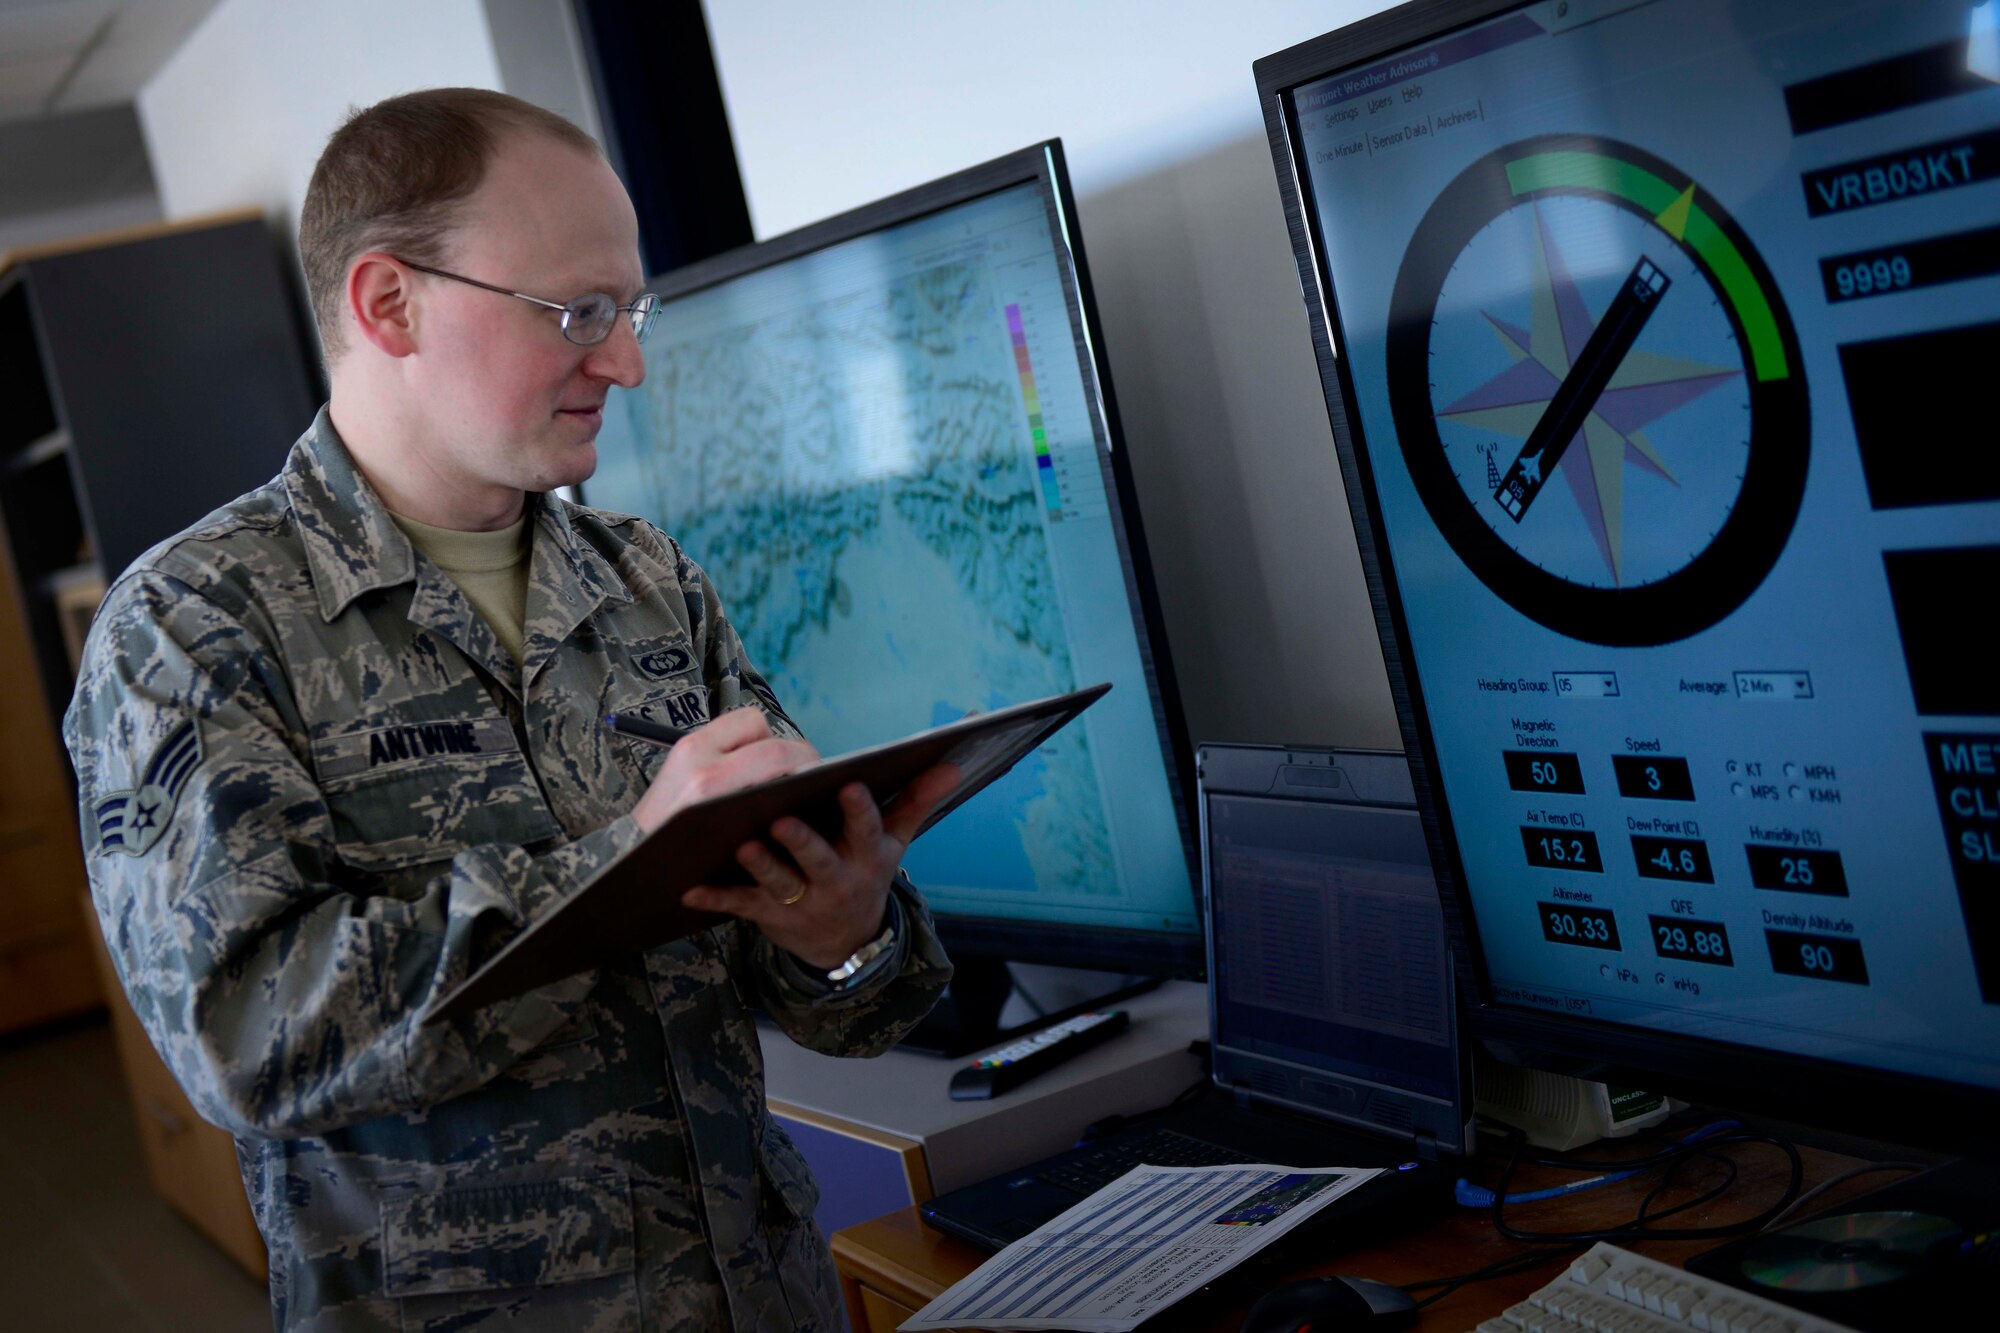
{"points": [[1010, 1066]]}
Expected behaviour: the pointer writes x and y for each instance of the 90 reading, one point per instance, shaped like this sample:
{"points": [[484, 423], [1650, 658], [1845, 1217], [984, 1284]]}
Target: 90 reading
{"points": [[1821, 957]]}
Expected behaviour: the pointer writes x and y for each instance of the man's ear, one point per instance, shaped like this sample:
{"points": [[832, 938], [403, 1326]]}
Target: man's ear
{"points": [[379, 301]]}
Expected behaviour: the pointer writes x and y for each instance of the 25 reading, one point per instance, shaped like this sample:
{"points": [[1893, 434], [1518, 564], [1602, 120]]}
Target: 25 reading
{"points": [[1590, 926]]}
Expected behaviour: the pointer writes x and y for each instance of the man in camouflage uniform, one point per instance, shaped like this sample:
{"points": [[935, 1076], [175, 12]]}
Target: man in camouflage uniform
{"points": [[322, 782]]}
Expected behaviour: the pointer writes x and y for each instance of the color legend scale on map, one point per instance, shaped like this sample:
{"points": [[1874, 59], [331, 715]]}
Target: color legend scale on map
{"points": [[1044, 465]]}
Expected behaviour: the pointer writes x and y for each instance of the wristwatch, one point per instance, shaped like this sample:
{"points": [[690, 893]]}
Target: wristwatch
{"points": [[865, 961]]}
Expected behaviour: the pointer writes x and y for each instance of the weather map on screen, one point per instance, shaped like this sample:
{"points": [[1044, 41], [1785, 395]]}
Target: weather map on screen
{"points": [[884, 452]]}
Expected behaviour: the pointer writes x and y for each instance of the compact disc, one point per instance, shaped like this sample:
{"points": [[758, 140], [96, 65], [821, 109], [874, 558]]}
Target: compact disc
{"points": [[1847, 1252]]}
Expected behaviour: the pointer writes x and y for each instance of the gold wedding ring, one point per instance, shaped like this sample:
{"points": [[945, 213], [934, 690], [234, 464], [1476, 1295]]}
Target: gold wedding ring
{"points": [[787, 902]]}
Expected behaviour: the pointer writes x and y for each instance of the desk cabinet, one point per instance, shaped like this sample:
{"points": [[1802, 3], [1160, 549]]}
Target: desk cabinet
{"points": [[884, 1134]]}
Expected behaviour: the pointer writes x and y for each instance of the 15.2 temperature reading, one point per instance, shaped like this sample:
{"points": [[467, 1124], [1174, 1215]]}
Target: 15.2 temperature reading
{"points": [[1561, 849]]}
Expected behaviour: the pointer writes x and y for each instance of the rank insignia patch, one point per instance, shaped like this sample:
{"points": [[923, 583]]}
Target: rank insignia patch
{"points": [[132, 821], [666, 662]]}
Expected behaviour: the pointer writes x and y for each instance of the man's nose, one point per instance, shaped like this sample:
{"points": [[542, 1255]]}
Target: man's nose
{"points": [[618, 358]]}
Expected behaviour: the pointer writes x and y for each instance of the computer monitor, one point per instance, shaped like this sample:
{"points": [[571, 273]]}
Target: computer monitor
{"points": [[1658, 342], [890, 439]]}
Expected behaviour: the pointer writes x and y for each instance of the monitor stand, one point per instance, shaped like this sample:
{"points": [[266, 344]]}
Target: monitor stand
{"points": [[971, 1014]]}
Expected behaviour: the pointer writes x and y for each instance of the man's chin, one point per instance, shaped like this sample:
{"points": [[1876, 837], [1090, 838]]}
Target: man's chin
{"points": [[570, 465]]}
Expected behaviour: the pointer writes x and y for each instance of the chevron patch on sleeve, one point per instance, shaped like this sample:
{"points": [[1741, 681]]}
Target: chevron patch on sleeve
{"points": [[132, 821]]}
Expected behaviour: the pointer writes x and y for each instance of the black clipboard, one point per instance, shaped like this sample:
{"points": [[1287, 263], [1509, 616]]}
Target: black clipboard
{"points": [[634, 903]]}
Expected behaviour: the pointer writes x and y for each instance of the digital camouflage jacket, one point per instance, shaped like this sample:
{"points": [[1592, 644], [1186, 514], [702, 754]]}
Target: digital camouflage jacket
{"points": [[317, 793]]}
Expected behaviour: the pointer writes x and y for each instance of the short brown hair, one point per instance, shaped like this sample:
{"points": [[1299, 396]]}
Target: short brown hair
{"points": [[393, 177]]}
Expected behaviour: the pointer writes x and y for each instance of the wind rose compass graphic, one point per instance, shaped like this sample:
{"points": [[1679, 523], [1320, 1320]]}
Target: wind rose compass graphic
{"points": [[1598, 391]]}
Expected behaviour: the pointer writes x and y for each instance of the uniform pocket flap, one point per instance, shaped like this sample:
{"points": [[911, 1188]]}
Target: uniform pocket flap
{"points": [[415, 816], [533, 1234]]}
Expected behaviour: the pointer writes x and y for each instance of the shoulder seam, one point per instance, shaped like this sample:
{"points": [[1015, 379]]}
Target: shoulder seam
{"points": [[154, 560]]}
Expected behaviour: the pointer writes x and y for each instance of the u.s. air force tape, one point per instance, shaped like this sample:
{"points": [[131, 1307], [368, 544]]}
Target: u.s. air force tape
{"points": [[371, 751]]}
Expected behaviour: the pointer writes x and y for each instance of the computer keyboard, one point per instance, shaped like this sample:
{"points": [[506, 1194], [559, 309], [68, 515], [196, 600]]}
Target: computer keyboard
{"points": [[1098, 1165], [1616, 1291]]}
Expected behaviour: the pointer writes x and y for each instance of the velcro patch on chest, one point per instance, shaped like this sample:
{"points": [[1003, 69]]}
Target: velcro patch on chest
{"points": [[359, 752], [664, 662], [689, 708]]}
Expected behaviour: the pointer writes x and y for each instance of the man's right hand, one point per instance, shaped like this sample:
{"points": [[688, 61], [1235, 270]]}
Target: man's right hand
{"points": [[734, 751]]}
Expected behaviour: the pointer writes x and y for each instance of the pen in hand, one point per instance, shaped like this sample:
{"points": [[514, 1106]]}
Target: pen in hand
{"points": [[643, 729]]}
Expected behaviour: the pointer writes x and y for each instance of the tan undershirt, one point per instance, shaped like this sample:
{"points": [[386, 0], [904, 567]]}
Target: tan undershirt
{"points": [[490, 568]]}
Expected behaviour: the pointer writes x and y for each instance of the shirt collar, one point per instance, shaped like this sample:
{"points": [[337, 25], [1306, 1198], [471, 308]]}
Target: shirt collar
{"points": [[353, 546]]}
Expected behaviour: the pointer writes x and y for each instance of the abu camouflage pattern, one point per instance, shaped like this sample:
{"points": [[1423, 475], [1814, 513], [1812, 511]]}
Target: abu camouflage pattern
{"points": [[375, 801]]}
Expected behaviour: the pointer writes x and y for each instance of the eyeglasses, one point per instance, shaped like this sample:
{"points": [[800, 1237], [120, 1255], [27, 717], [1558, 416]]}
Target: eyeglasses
{"points": [[585, 320]]}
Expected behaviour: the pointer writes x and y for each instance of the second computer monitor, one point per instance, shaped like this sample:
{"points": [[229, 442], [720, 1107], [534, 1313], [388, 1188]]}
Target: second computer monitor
{"points": [[889, 440]]}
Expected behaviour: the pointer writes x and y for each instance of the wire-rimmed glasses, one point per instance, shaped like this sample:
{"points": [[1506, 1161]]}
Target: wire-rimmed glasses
{"points": [[586, 319]]}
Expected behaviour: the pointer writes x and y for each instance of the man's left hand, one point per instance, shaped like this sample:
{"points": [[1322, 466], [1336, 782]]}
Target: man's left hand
{"points": [[831, 901]]}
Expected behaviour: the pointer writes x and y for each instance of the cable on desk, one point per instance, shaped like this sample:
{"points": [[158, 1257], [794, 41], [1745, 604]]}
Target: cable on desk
{"points": [[1527, 1259], [1840, 1179], [1476, 1196], [1719, 1135], [1507, 1267]]}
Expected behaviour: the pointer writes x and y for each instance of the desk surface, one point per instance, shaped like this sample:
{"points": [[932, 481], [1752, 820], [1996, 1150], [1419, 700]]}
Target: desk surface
{"points": [[901, 1258], [907, 1093]]}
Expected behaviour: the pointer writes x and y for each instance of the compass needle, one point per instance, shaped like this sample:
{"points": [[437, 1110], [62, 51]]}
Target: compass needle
{"points": [[1573, 307]]}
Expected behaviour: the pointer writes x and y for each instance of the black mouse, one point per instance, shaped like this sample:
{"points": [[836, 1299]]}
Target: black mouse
{"points": [[1326, 1304]]}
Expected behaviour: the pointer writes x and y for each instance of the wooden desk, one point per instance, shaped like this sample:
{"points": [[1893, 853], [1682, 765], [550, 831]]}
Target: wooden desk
{"points": [[890, 1267]]}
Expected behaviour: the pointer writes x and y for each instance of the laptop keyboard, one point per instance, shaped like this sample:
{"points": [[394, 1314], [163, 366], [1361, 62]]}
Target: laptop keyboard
{"points": [[1092, 1168]]}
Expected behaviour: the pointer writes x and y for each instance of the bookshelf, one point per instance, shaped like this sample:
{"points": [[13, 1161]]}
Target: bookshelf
{"points": [[146, 377]]}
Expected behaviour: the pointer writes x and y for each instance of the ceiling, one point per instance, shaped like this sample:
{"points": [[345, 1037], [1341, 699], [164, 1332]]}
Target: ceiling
{"points": [[60, 56]]}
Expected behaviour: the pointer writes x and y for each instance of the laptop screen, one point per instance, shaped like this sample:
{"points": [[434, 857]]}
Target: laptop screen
{"points": [[1330, 975]]}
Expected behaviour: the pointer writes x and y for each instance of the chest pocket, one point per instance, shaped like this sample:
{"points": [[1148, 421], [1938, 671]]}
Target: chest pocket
{"points": [[404, 795]]}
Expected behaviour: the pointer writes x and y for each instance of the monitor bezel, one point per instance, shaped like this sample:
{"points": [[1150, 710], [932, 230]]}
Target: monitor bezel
{"points": [[1177, 954], [1896, 1107]]}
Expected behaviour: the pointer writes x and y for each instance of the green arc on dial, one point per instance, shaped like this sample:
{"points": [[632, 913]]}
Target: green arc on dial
{"points": [[1571, 170]]}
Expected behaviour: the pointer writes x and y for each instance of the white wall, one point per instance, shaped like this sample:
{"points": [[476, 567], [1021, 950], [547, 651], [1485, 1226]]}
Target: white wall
{"points": [[834, 104], [239, 114]]}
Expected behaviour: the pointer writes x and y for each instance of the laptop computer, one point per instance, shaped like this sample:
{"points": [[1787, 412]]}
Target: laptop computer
{"points": [[1332, 1017]]}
